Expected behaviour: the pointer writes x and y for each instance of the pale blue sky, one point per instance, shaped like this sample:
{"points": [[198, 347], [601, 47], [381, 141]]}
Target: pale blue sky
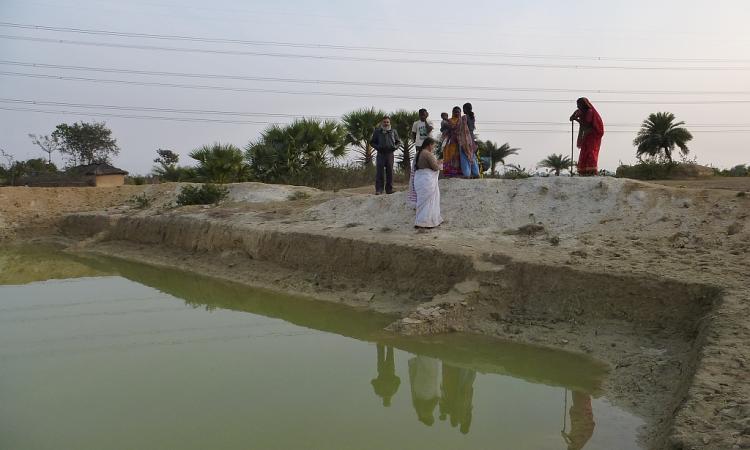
{"points": [[612, 29]]}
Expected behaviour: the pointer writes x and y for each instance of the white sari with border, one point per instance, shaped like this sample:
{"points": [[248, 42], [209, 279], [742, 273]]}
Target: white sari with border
{"points": [[428, 198]]}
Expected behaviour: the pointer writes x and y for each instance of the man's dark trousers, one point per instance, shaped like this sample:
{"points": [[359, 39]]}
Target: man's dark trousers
{"points": [[384, 165]]}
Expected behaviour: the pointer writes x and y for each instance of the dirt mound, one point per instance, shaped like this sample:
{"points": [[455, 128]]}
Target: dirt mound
{"points": [[165, 195], [490, 204], [562, 206]]}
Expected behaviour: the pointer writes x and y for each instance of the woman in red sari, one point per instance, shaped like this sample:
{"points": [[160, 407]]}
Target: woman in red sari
{"points": [[590, 134]]}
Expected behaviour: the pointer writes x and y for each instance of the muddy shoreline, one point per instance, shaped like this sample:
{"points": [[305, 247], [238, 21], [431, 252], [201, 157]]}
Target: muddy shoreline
{"points": [[663, 308]]}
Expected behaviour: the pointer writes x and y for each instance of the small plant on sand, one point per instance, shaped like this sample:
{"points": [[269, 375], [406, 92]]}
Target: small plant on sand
{"points": [[141, 201], [515, 172], [204, 194], [298, 195]]}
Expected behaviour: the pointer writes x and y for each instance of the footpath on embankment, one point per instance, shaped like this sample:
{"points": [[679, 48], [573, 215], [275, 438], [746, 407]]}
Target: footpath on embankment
{"points": [[650, 279]]}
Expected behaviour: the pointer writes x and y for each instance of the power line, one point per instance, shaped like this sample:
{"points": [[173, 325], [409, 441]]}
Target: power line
{"points": [[372, 95], [136, 116], [287, 115], [172, 37], [360, 83], [246, 122], [371, 59], [154, 109]]}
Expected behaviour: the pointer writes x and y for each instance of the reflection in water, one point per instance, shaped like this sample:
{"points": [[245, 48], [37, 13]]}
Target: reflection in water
{"points": [[425, 387], [453, 391], [454, 394], [387, 383], [581, 422], [457, 394]]}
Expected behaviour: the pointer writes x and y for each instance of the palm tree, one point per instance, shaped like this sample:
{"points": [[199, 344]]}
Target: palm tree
{"points": [[317, 142], [556, 162], [359, 126], [302, 148], [497, 154], [402, 121], [220, 163], [661, 134]]}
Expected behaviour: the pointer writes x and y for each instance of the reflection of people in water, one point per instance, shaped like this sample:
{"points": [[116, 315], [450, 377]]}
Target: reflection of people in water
{"points": [[581, 422], [457, 395], [425, 388], [387, 383]]}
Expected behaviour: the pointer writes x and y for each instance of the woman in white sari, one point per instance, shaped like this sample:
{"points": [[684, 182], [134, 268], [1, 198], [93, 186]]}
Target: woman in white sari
{"points": [[426, 172]]}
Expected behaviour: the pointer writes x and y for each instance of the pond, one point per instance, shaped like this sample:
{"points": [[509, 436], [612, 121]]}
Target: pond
{"points": [[97, 353]]}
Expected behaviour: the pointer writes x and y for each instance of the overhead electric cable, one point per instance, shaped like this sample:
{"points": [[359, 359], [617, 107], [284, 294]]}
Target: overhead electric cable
{"points": [[374, 95], [359, 83], [288, 115], [247, 122], [371, 59], [175, 37]]}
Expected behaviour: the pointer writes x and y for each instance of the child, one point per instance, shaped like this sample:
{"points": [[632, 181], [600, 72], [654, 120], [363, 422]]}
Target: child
{"points": [[444, 123]]}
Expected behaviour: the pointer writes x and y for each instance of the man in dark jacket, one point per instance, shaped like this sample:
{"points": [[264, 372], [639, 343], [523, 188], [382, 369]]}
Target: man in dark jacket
{"points": [[385, 141]]}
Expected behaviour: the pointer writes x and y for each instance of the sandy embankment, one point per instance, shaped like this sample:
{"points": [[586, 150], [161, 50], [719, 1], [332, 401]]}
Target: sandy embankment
{"points": [[651, 279]]}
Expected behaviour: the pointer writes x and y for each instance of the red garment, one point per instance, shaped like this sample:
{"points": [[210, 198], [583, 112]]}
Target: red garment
{"points": [[590, 140]]}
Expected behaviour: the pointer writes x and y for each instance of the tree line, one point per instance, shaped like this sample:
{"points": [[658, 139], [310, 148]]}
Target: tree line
{"points": [[310, 151], [306, 151]]}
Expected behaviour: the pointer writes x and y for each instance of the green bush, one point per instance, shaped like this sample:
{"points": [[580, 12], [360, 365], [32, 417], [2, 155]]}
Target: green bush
{"points": [[646, 170], [515, 172], [662, 170], [338, 177], [204, 194], [741, 170], [141, 201], [137, 180], [298, 195]]}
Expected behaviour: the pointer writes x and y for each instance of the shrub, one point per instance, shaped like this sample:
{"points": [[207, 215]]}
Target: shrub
{"points": [[137, 180], [660, 170], [740, 170], [298, 195], [515, 173], [141, 201], [204, 194], [339, 177]]}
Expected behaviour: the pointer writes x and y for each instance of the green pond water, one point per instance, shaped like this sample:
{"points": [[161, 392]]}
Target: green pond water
{"points": [[97, 353]]}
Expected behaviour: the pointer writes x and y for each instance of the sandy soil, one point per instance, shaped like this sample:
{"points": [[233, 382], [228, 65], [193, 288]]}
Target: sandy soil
{"points": [[28, 211], [609, 228], [738, 184]]}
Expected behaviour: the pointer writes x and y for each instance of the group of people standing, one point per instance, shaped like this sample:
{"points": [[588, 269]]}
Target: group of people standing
{"points": [[457, 138], [460, 159], [459, 150]]}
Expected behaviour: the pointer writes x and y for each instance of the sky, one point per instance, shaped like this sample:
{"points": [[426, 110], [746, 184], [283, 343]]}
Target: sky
{"points": [[521, 64]]}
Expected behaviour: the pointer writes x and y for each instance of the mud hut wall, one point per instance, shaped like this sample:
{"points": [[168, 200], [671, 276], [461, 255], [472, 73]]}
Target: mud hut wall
{"points": [[109, 180]]}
